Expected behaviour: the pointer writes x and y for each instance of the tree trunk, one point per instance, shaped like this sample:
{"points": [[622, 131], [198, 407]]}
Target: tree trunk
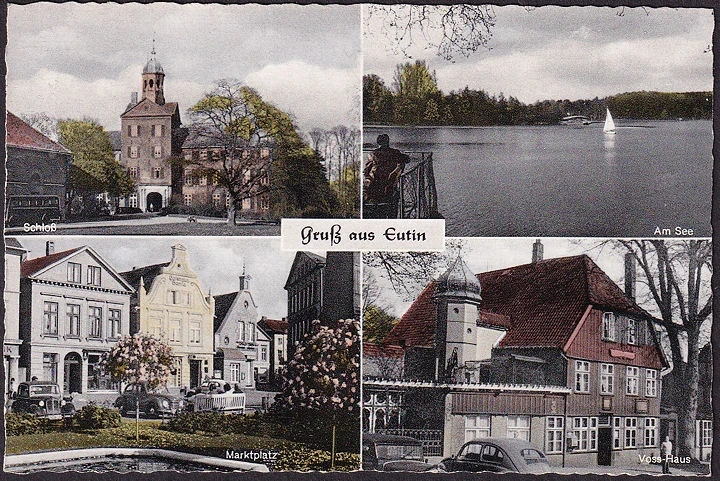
{"points": [[231, 213], [687, 388]]}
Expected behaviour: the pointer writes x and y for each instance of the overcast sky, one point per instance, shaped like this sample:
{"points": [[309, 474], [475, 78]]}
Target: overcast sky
{"points": [[571, 53], [218, 261], [75, 60]]}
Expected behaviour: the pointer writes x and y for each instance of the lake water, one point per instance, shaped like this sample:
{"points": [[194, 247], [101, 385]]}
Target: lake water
{"points": [[567, 181]]}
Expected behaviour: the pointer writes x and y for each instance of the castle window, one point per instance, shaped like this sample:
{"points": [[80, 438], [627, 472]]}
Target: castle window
{"points": [[133, 151], [157, 173], [133, 172], [157, 152], [188, 198]]}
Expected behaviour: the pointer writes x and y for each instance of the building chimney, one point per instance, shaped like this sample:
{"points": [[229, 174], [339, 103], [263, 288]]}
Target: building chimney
{"points": [[243, 282], [630, 275], [537, 251], [49, 248]]}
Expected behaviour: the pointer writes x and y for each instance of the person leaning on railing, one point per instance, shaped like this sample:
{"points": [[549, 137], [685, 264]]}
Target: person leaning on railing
{"points": [[382, 173]]}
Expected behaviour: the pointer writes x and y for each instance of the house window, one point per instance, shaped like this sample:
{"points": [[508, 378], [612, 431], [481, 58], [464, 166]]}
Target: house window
{"points": [[706, 433], [651, 437], [234, 372], [50, 318], [174, 330], [133, 151], [585, 431], [608, 326], [95, 318], [132, 200], [554, 434], [607, 378], [98, 380], [158, 130], [133, 172], [73, 320], [50, 365], [74, 272], [263, 353], [651, 382], [477, 427], [251, 332], [157, 151], [188, 199], [188, 178], [157, 173], [114, 323], [630, 432], [582, 376], [632, 330], [195, 333], [518, 427], [216, 200], [93, 275], [203, 180], [632, 380], [617, 433]]}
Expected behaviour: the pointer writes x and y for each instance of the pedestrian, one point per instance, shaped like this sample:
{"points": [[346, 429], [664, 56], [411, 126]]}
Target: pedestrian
{"points": [[11, 389], [666, 454], [382, 173]]}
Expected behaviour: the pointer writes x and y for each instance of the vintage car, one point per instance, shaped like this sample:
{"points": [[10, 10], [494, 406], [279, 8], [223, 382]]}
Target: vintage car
{"points": [[385, 452], [158, 402], [499, 455], [42, 399]]}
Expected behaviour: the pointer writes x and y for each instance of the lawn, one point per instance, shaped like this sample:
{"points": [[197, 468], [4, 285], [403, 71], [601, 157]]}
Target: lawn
{"points": [[151, 436]]}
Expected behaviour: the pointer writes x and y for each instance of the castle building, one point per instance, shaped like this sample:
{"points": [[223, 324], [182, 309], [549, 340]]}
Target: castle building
{"points": [[171, 304], [149, 135]]}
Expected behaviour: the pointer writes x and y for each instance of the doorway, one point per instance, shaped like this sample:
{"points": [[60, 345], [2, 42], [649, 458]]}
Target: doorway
{"points": [[72, 379], [194, 374], [154, 202], [604, 446]]}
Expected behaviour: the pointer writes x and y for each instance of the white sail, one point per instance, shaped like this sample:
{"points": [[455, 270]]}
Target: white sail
{"points": [[609, 127]]}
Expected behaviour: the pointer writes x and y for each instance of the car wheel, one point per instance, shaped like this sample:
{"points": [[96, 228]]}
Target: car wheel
{"points": [[442, 467], [152, 411], [123, 410], [34, 410]]}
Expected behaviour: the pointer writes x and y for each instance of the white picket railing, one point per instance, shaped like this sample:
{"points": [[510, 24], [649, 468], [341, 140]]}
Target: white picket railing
{"points": [[220, 402]]}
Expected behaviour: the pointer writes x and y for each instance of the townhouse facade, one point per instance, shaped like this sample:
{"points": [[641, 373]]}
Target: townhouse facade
{"points": [[277, 331], [73, 307], [171, 304], [14, 253], [553, 352]]}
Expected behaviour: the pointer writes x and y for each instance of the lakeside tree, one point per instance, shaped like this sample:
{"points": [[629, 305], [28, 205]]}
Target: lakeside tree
{"points": [[676, 280], [94, 169], [321, 383], [377, 324]]}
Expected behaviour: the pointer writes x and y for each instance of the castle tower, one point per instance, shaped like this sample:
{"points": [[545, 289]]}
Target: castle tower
{"points": [[153, 78], [457, 298]]}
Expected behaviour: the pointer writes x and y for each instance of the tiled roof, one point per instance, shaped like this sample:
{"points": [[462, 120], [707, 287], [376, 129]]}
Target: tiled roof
{"points": [[223, 303], [147, 107], [544, 302], [32, 266], [148, 274], [20, 134], [274, 325], [376, 350]]}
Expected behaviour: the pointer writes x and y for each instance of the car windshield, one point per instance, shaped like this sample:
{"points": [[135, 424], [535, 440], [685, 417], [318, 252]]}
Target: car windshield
{"points": [[43, 390], [533, 456], [394, 451]]}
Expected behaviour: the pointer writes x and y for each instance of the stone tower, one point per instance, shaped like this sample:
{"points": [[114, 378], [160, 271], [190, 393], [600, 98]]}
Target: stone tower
{"points": [[457, 298], [152, 80]]}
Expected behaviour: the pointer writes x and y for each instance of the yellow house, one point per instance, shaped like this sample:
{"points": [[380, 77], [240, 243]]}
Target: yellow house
{"points": [[171, 304]]}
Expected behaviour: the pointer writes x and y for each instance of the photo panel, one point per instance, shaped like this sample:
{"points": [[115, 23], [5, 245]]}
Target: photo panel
{"points": [[181, 119], [554, 121], [539, 355], [180, 354]]}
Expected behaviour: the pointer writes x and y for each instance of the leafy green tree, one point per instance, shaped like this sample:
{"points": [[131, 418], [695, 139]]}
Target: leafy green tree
{"points": [[377, 101], [377, 324], [94, 169]]}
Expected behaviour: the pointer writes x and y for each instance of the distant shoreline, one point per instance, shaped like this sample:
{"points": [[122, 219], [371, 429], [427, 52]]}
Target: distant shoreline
{"points": [[423, 126]]}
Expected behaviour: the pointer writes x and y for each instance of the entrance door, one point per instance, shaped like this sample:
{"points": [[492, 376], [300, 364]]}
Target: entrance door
{"points": [[194, 374], [73, 373], [154, 202], [604, 446]]}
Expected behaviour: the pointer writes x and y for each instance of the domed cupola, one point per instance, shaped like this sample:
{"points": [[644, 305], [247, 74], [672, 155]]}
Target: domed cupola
{"points": [[153, 66], [153, 78], [459, 282]]}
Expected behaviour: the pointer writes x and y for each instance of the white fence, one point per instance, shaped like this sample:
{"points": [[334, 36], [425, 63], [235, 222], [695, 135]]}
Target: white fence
{"points": [[220, 402]]}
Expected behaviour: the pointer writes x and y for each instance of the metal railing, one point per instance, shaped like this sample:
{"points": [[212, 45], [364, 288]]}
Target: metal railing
{"points": [[432, 439], [417, 192]]}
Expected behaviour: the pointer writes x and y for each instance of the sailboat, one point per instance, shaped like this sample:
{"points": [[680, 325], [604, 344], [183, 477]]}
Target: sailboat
{"points": [[609, 127]]}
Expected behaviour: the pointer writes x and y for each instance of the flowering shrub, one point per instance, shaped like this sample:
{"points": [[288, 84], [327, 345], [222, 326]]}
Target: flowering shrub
{"points": [[139, 358], [97, 417]]}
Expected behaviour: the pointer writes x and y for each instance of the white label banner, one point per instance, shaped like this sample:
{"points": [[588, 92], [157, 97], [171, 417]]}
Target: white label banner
{"points": [[363, 234]]}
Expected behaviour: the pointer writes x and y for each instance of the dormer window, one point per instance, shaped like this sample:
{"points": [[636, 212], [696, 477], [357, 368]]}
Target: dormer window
{"points": [[632, 331], [608, 326]]}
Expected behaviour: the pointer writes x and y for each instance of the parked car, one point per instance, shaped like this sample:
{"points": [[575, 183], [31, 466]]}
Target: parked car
{"points": [[211, 386], [498, 455], [42, 399], [153, 402], [385, 452]]}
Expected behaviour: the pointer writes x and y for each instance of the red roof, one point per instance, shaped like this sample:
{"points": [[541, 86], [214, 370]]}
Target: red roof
{"points": [[275, 325], [544, 301], [20, 134], [32, 266], [376, 350]]}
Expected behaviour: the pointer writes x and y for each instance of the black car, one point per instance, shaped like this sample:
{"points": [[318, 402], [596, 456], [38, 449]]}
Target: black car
{"points": [[385, 452], [153, 402], [499, 455], [42, 399]]}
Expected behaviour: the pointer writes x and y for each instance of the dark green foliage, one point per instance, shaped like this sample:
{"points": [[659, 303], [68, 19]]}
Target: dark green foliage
{"points": [[97, 417], [315, 460], [17, 424], [377, 324], [214, 422]]}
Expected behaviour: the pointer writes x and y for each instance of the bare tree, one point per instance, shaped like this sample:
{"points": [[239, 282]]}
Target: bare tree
{"points": [[448, 29], [44, 123]]}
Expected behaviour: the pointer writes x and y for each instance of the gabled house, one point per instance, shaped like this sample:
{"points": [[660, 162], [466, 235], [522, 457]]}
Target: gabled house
{"points": [[553, 352], [73, 307], [277, 331], [14, 254], [170, 303], [242, 350]]}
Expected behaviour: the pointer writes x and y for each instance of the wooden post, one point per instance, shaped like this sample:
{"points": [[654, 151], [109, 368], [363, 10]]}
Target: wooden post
{"points": [[332, 453]]}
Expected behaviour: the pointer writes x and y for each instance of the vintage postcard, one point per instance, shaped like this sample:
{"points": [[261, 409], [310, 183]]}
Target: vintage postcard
{"points": [[180, 119]]}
